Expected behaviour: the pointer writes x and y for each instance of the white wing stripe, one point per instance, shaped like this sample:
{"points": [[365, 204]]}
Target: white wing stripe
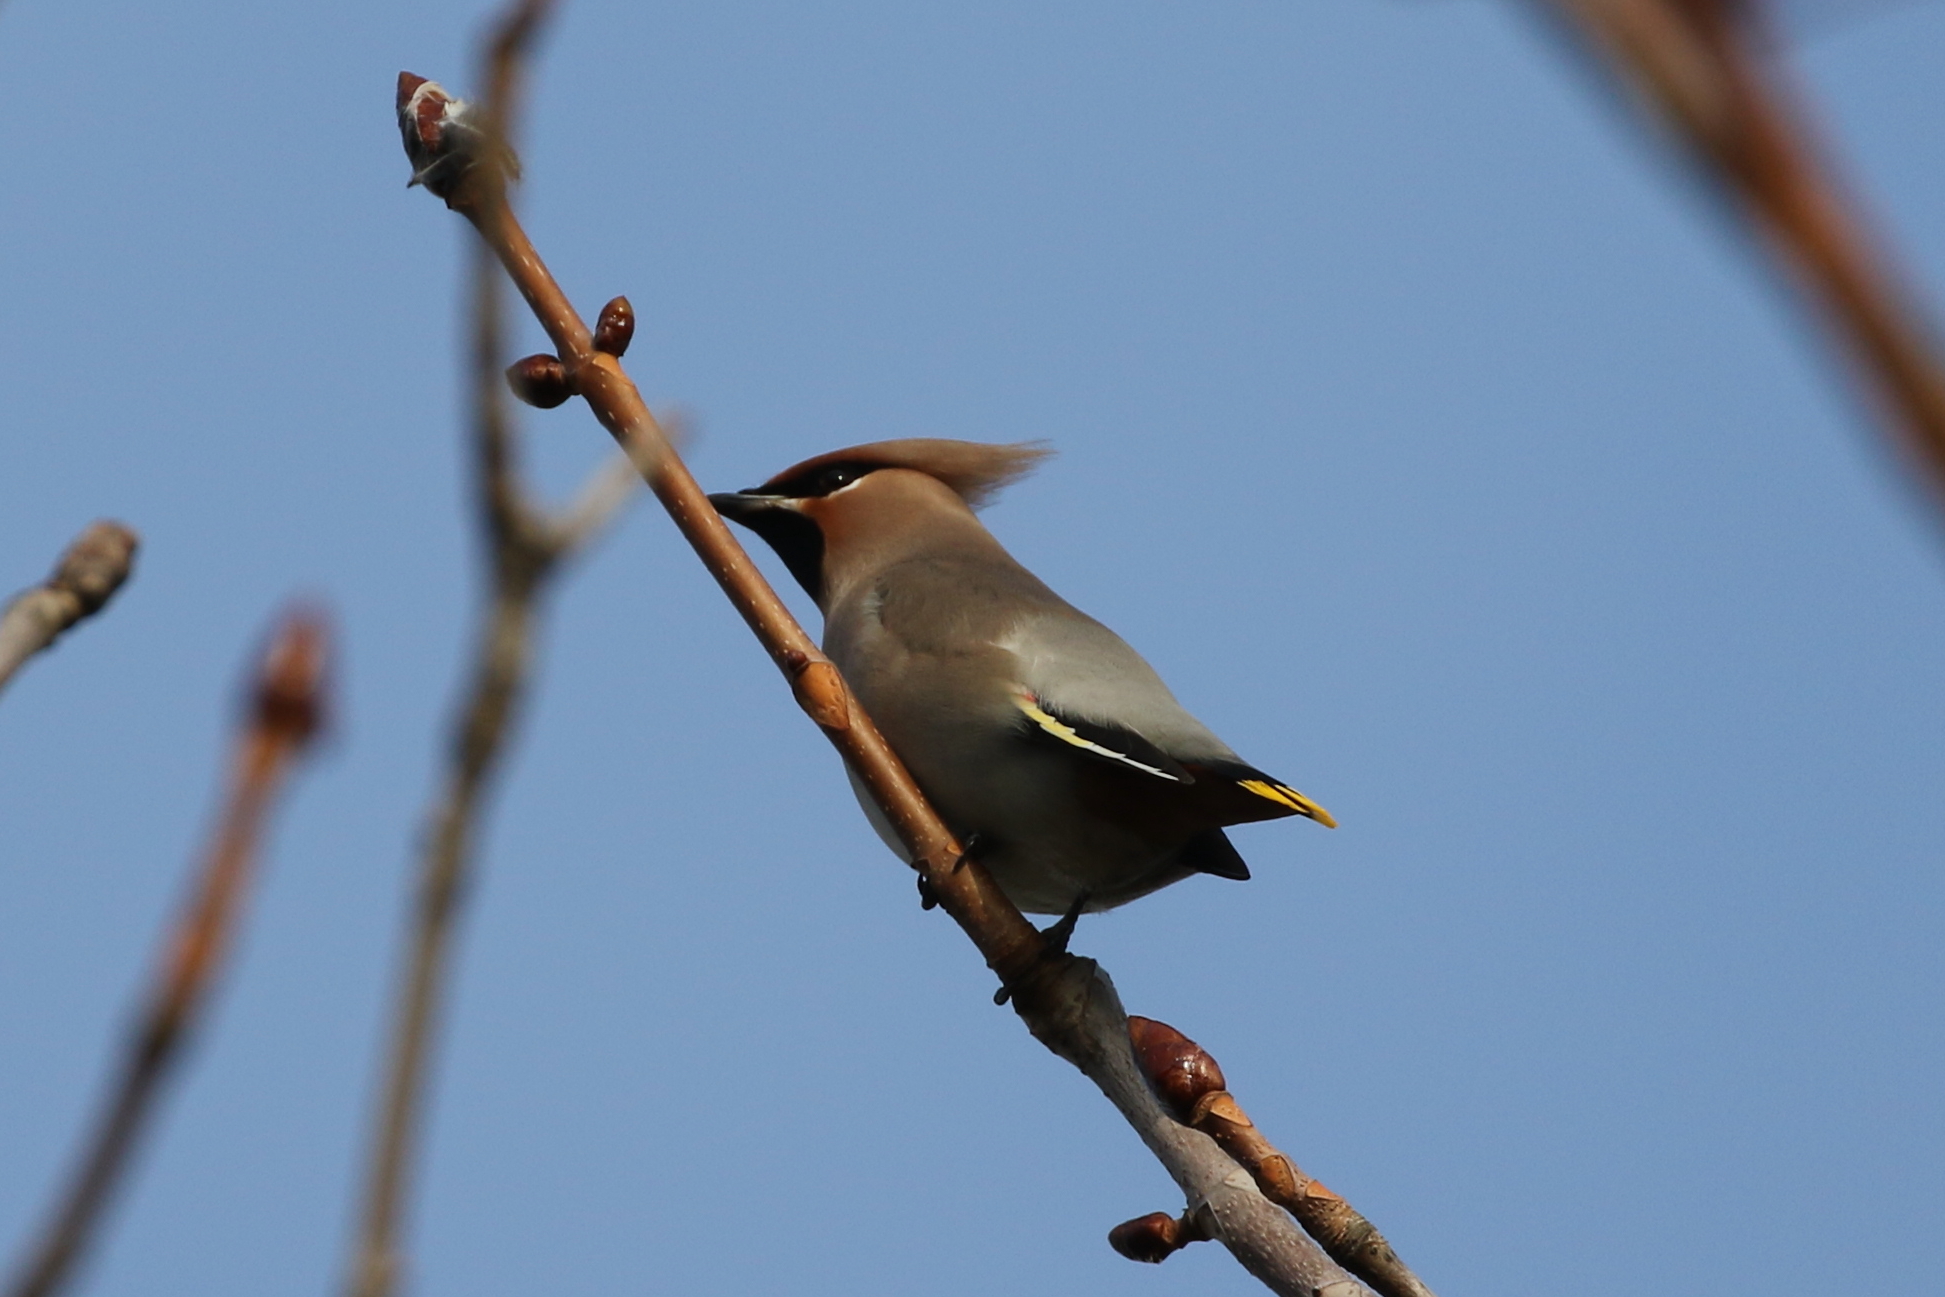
{"points": [[1067, 734]]}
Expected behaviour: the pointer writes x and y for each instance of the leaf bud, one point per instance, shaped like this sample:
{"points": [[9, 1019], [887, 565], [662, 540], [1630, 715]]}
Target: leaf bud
{"points": [[1180, 1070], [616, 328], [539, 380], [1151, 1239]]}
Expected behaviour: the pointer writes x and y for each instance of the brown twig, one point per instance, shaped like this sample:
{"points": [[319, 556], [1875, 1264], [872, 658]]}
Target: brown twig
{"points": [[1188, 1081], [286, 704], [1706, 66], [86, 578], [526, 547], [1067, 1002]]}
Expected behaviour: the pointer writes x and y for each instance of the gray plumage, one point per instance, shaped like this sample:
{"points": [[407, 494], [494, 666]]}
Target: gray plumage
{"points": [[1033, 729]]}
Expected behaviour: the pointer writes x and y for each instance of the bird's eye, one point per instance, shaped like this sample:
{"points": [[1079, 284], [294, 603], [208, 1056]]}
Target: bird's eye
{"points": [[832, 479]]}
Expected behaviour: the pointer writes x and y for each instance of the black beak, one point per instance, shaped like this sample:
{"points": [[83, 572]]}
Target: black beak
{"points": [[742, 506]]}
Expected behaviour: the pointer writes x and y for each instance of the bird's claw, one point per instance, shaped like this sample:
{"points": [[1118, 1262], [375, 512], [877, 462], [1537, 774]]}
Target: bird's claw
{"points": [[1054, 938], [969, 850], [1061, 931]]}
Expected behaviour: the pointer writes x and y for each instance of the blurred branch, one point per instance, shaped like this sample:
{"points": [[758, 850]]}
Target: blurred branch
{"points": [[1067, 1002], [1189, 1081], [286, 705], [86, 578], [1705, 66], [525, 549]]}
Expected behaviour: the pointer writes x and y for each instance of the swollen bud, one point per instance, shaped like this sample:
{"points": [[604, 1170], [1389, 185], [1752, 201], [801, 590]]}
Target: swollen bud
{"points": [[444, 137], [616, 328], [1150, 1238], [1180, 1070], [288, 696], [539, 380]]}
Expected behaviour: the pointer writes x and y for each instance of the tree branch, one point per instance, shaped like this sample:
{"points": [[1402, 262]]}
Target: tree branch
{"points": [[1704, 67], [1068, 1003], [286, 708], [525, 549], [86, 578]]}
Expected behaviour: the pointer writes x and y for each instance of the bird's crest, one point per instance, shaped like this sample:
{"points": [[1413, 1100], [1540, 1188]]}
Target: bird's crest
{"points": [[976, 471]]}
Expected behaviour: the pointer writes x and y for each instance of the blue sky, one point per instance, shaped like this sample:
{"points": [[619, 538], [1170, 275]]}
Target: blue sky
{"points": [[1439, 441]]}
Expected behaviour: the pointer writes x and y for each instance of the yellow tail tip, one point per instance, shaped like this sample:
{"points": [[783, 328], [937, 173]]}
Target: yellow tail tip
{"points": [[1291, 798]]}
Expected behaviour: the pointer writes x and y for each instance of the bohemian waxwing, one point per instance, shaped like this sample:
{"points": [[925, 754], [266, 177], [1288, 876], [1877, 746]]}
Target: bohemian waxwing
{"points": [[1045, 742]]}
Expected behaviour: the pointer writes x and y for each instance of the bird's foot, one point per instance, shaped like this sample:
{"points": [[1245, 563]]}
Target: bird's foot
{"points": [[1054, 938]]}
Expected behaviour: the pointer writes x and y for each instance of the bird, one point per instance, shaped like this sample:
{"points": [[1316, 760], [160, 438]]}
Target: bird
{"points": [[1047, 745]]}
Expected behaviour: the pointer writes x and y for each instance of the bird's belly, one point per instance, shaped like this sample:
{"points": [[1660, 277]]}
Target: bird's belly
{"points": [[1034, 832]]}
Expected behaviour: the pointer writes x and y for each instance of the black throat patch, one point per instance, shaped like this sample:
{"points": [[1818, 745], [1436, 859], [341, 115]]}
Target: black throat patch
{"points": [[797, 542]]}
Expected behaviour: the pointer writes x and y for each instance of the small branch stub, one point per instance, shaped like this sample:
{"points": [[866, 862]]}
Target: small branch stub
{"points": [[82, 583], [540, 380], [820, 690], [616, 328]]}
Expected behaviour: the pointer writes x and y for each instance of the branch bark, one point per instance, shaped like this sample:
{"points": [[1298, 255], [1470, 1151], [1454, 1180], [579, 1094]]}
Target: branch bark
{"points": [[525, 548], [81, 585], [1705, 67], [286, 708], [1068, 1003]]}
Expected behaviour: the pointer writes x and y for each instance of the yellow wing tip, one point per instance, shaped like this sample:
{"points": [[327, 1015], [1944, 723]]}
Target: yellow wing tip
{"points": [[1285, 795]]}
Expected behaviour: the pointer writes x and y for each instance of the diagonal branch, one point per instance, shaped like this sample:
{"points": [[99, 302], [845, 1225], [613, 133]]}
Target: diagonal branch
{"points": [[86, 578], [525, 549], [1704, 66], [286, 706], [1067, 1002]]}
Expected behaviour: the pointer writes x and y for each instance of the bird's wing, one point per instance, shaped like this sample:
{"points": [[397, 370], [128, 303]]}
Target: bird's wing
{"points": [[1112, 743], [1228, 791], [1072, 681]]}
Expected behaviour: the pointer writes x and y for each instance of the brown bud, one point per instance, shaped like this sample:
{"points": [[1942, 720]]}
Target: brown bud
{"points": [[423, 108], [407, 84], [616, 328], [1152, 1238], [290, 684], [444, 138], [1180, 1070], [539, 380]]}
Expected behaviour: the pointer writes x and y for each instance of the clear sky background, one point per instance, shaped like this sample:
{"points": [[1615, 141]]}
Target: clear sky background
{"points": [[1418, 418]]}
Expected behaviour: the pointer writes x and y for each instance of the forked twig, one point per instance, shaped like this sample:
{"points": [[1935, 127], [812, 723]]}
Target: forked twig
{"points": [[526, 547], [1706, 67], [1191, 1084], [81, 585], [286, 705], [1067, 1002]]}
